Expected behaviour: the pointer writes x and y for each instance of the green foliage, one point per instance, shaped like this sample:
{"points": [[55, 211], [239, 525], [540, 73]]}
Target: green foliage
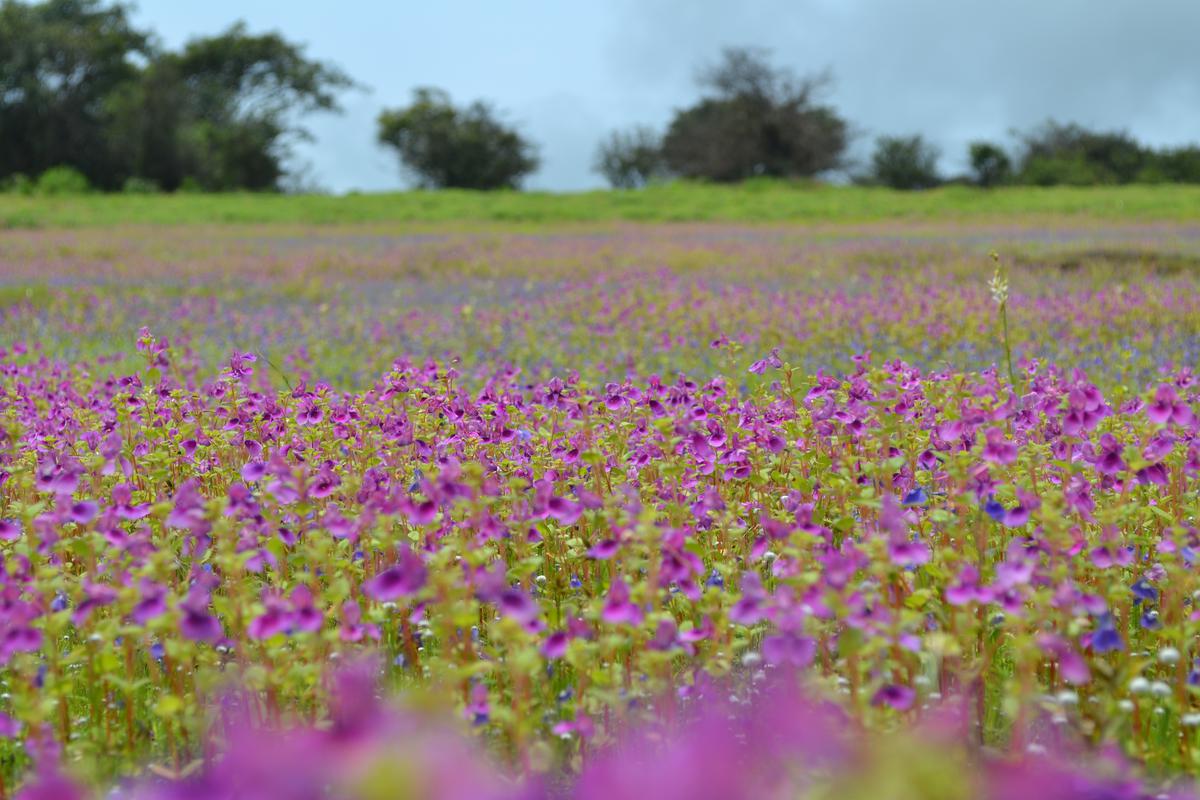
{"points": [[1173, 165], [904, 162], [134, 185], [61, 180], [1071, 154], [17, 183], [79, 85], [448, 147], [758, 120], [630, 159], [990, 165], [60, 61]]}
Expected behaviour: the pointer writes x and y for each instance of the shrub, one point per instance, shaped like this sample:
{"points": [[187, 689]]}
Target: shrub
{"points": [[62, 180]]}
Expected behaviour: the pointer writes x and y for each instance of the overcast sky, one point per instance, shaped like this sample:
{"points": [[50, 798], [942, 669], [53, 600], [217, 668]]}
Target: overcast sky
{"points": [[568, 71]]}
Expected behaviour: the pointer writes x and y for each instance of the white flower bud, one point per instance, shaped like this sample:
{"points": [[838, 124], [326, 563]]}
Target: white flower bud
{"points": [[1139, 685], [1168, 655]]}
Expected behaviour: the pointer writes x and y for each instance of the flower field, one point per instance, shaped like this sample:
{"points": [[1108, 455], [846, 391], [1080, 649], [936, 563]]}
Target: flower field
{"points": [[690, 511]]}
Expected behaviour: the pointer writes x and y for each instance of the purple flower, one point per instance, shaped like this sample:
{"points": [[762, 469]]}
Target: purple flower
{"points": [[999, 450], [618, 609], [200, 626], [1143, 590], [555, 645], [404, 579], [1109, 461], [276, 619], [95, 595], [789, 648], [83, 512], [565, 511], [1105, 638], [602, 551], [152, 604], [305, 615], [253, 471], [894, 695], [772, 360], [9, 727], [519, 605], [10, 530]]}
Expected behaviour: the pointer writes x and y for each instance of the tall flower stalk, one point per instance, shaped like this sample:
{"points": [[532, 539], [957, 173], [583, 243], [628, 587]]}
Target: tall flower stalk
{"points": [[999, 289]]}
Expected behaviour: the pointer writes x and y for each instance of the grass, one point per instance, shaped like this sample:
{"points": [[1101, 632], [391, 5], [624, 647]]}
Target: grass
{"points": [[765, 201]]}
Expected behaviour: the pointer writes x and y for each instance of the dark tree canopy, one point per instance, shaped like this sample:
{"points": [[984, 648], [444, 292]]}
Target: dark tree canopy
{"points": [[448, 147], [756, 119], [990, 165], [629, 159], [80, 87], [61, 62], [905, 162], [1071, 154]]}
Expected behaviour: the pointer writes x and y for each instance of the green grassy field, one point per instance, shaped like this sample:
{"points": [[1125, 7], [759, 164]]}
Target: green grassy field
{"points": [[756, 202]]}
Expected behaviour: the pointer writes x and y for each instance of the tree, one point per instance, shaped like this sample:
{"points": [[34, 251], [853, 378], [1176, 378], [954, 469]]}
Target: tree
{"points": [[1071, 154], [990, 165], [60, 62], [629, 159], [1173, 165], [756, 120], [224, 111], [81, 87], [905, 162], [448, 147]]}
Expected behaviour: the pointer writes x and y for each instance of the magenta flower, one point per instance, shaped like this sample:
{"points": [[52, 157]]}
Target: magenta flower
{"points": [[894, 695], [1167, 407], [276, 619], [352, 629], [789, 648], [83, 512], [253, 471], [1109, 460], [618, 609], [968, 589], [306, 616], [152, 604], [565, 511], [95, 595], [518, 605], [10, 530], [998, 449], [404, 579], [555, 645]]}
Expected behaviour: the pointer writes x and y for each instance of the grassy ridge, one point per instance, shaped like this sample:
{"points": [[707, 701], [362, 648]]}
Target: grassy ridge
{"points": [[766, 201]]}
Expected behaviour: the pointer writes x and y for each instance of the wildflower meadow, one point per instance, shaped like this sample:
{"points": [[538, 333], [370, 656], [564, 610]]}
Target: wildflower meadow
{"points": [[904, 508]]}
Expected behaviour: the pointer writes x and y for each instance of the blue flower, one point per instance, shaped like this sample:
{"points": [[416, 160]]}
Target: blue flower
{"points": [[994, 510], [917, 497], [1142, 590], [715, 579], [1105, 638]]}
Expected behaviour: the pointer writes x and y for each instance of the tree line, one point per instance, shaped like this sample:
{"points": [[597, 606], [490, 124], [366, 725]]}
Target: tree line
{"points": [[89, 100]]}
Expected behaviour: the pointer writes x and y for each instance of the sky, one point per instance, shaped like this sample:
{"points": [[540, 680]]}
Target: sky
{"points": [[566, 72]]}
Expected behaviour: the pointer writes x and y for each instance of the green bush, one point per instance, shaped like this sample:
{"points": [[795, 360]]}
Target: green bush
{"points": [[62, 180], [17, 183], [135, 185]]}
